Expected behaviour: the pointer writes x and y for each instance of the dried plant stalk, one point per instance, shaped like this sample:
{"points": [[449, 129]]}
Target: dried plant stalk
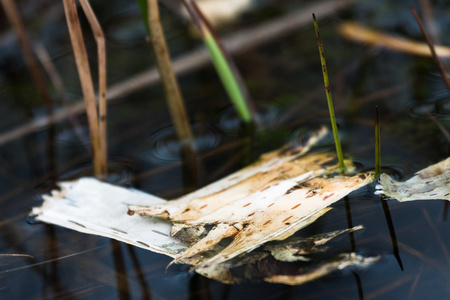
{"points": [[84, 73], [235, 43], [363, 34], [101, 52], [14, 18], [172, 91]]}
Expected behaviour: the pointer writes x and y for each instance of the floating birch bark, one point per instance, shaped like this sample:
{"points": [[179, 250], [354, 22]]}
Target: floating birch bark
{"points": [[94, 207], [431, 183], [270, 200]]}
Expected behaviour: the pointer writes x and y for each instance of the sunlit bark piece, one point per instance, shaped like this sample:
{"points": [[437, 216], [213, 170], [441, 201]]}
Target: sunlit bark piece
{"points": [[91, 206], [270, 200], [431, 183], [218, 226]]}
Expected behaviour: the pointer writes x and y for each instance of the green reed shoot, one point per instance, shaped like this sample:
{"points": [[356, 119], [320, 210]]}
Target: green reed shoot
{"points": [[222, 62], [330, 102], [377, 144]]}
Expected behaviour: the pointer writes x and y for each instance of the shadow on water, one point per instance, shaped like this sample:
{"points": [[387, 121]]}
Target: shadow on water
{"points": [[283, 76]]}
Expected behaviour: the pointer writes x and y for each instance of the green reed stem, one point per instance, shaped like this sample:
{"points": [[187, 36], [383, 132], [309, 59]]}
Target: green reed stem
{"points": [[377, 144], [144, 14], [225, 68], [227, 77], [330, 102]]}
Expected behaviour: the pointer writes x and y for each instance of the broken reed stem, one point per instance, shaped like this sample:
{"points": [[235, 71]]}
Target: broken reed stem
{"points": [[329, 100], [225, 67], [14, 18], [377, 145], [101, 53], [172, 91], [433, 51], [84, 73]]}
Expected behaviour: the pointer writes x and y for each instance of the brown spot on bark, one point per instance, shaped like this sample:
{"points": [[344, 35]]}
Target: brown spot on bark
{"points": [[271, 205], [295, 187], [130, 212], [265, 188], [328, 196], [296, 206], [186, 210], [286, 219], [203, 206], [267, 222], [81, 225], [247, 204], [251, 214], [142, 243], [310, 194]]}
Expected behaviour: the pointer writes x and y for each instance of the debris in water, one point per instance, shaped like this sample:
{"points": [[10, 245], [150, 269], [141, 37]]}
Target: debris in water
{"points": [[216, 228], [431, 183]]}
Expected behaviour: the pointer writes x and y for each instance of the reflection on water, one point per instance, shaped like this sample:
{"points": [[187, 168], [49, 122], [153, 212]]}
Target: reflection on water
{"points": [[68, 265], [165, 145], [229, 121]]}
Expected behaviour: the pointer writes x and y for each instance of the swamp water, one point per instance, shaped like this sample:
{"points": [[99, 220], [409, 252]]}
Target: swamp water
{"points": [[39, 261]]}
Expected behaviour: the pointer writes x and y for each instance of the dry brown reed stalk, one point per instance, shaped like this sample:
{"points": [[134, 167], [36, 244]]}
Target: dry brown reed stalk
{"points": [[235, 43], [101, 52], [172, 91], [427, 12], [84, 73], [369, 36], [14, 18]]}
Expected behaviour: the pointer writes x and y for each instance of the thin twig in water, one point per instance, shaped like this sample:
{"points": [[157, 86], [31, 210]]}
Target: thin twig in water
{"points": [[101, 52], [172, 91], [50, 260], [14, 18], [437, 235], [440, 126], [432, 49], [390, 224], [369, 36], [235, 43], [329, 100], [84, 73], [377, 144], [15, 255], [427, 12]]}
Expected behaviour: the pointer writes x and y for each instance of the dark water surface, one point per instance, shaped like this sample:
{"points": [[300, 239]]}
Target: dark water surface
{"points": [[39, 261]]}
